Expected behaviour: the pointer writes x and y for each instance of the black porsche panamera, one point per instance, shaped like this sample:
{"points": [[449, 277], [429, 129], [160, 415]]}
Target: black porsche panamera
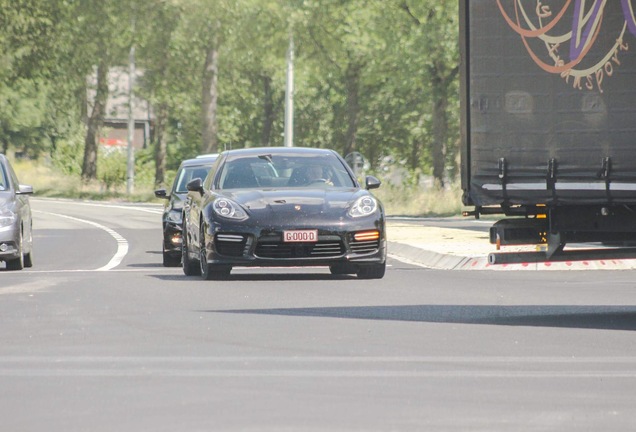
{"points": [[283, 206]]}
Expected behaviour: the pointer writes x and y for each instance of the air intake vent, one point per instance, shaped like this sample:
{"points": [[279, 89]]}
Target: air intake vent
{"points": [[321, 249], [230, 244], [365, 246]]}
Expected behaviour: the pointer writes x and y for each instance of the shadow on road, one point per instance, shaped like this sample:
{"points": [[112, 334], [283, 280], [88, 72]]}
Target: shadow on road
{"points": [[259, 277], [588, 317]]}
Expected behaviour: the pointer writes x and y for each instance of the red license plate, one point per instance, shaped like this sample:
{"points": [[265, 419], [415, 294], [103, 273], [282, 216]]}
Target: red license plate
{"points": [[300, 236]]}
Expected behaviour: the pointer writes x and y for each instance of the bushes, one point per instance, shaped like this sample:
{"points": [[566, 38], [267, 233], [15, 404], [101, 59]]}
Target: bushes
{"points": [[60, 175]]}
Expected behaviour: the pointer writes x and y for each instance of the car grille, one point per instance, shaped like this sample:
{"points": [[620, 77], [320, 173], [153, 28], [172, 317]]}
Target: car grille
{"points": [[365, 246], [324, 248], [230, 244]]}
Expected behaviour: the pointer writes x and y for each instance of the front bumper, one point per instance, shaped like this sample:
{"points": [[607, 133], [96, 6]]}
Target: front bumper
{"points": [[9, 237], [244, 246], [172, 238]]}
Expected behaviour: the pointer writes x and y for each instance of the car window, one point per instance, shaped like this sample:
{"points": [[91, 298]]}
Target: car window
{"points": [[4, 182], [282, 171], [186, 174]]}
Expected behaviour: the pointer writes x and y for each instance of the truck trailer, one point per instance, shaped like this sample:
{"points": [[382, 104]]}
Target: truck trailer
{"points": [[548, 125]]}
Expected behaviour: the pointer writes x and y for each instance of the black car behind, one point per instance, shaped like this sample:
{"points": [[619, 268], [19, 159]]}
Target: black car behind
{"points": [[189, 169]]}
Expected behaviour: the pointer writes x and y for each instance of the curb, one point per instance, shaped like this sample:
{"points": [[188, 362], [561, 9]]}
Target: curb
{"points": [[441, 261]]}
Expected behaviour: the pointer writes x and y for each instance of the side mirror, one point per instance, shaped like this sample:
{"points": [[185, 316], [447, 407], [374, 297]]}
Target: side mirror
{"points": [[24, 190], [372, 182], [195, 185], [161, 193]]}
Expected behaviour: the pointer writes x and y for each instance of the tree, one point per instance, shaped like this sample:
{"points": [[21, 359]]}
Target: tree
{"points": [[433, 24], [344, 35], [28, 37], [102, 35], [157, 59]]}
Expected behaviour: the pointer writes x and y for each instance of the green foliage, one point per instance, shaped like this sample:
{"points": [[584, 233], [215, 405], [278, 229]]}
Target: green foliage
{"points": [[112, 168], [68, 153], [367, 76]]}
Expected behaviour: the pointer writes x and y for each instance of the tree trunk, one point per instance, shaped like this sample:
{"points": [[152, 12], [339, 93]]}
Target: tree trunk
{"points": [[352, 78], [268, 111], [95, 123], [440, 135], [441, 83], [160, 145], [209, 137]]}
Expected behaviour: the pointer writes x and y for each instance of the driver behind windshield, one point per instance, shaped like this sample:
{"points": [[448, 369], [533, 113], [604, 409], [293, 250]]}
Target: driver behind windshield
{"points": [[310, 175], [314, 174]]}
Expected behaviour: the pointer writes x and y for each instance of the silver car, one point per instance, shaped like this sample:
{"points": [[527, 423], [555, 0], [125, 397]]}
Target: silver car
{"points": [[16, 240]]}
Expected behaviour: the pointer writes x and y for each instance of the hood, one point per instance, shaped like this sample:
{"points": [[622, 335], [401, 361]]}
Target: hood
{"points": [[297, 202]]}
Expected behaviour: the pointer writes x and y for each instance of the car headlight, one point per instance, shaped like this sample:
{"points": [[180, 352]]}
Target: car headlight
{"points": [[177, 205], [228, 209], [7, 218], [363, 206]]}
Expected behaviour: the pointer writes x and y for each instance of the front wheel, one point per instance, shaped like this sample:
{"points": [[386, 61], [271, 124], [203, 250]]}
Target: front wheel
{"points": [[18, 263], [190, 267], [171, 260], [372, 271], [210, 271], [28, 259]]}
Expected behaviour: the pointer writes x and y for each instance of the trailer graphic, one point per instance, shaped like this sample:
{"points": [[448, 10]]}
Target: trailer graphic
{"points": [[559, 38]]}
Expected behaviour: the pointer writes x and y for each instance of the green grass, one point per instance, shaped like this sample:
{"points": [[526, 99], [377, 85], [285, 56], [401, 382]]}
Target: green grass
{"points": [[49, 182], [420, 201]]}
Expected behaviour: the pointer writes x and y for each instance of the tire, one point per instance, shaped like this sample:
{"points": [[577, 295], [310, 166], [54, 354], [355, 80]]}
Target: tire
{"points": [[215, 271], [372, 271], [28, 259], [210, 271], [190, 267], [17, 263], [171, 260]]}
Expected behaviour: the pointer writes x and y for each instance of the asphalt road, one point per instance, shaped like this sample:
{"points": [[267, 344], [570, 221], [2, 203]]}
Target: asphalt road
{"points": [[98, 336]]}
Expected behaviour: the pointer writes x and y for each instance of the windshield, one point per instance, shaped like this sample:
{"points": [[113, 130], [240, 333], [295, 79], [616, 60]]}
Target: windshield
{"points": [[188, 173], [281, 171]]}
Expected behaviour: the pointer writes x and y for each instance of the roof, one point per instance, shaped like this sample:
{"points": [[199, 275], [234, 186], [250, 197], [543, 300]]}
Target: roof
{"points": [[278, 150], [200, 160]]}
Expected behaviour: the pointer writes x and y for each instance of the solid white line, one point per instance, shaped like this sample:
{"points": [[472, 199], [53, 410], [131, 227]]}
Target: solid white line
{"points": [[152, 208], [234, 373], [122, 243], [318, 367], [141, 209], [456, 360]]}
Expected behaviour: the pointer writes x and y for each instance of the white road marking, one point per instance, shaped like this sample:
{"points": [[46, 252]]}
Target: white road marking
{"points": [[122, 243], [141, 209], [155, 209], [320, 367], [407, 261]]}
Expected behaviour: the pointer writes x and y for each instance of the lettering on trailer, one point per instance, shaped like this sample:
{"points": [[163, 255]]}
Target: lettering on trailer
{"points": [[562, 45]]}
